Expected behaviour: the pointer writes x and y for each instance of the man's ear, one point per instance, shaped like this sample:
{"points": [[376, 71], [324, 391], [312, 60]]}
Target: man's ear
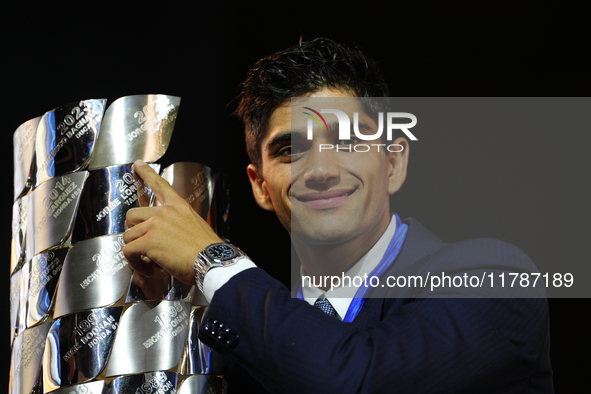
{"points": [[398, 162], [259, 188]]}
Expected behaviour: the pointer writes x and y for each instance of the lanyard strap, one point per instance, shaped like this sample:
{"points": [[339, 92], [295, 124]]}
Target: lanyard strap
{"points": [[387, 260]]}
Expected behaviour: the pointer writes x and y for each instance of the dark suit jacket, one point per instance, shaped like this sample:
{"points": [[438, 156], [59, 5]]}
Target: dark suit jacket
{"points": [[419, 343]]}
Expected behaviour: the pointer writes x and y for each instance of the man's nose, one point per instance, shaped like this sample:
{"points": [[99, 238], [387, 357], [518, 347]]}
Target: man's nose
{"points": [[322, 167]]}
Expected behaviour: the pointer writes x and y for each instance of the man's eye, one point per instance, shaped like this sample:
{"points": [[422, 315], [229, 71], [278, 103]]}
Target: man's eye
{"points": [[352, 141], [290, 150]]}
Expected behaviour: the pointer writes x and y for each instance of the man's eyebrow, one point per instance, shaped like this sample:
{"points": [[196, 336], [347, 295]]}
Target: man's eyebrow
{"points": [[281, 138], [333, 128], [364, 126]]}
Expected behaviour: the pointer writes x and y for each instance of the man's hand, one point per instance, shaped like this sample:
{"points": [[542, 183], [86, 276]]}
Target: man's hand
{"points": [[170, 235]]}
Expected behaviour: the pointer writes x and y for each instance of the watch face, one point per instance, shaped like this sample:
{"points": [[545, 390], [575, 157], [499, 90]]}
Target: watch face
{"points": [[221, 251]]}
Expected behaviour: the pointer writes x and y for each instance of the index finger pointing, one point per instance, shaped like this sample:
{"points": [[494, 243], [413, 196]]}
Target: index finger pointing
{"points": [[160, 187]]}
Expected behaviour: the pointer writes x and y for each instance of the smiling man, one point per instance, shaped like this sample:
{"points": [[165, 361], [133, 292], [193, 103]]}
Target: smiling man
{"points": [[335, 205]]}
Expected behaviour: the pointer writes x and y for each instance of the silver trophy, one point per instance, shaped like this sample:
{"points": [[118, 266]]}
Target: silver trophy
{"points": [[79, 324]]}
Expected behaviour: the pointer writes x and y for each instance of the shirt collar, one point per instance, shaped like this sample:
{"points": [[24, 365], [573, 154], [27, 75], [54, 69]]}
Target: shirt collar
{"points": [[341, 297]]}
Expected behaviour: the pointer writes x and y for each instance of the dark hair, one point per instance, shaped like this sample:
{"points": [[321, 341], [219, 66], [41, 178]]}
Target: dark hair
{"points": [[299, 70]]}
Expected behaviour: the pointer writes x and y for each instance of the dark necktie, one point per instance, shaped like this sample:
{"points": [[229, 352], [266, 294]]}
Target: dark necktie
{"points": [[326, 307]]}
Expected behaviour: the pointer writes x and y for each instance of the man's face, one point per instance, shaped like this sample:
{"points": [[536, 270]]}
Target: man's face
{"points": [[326, 197]]}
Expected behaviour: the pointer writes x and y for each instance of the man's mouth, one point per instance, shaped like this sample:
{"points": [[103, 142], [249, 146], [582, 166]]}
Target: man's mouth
{"points": [[326, 199]]}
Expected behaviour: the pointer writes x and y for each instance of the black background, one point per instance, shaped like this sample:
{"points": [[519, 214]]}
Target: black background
{"points": [[530, 189]]}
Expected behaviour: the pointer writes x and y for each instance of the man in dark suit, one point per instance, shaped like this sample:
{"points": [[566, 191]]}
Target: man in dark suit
{"points": [[336, 207]]}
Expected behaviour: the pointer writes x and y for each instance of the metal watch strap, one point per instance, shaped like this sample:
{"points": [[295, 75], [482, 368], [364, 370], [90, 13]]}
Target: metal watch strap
{"points": [[201, 267]]}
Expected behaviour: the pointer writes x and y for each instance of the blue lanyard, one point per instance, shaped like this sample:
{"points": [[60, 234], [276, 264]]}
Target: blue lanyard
{"points": [[389, 256]]}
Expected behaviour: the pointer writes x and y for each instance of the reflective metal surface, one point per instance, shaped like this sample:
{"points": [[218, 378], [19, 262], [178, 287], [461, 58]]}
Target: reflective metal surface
{"points": [[207, 193], [78, 346], [19, 231], [197, 357], [24, 147], [52, 206], [95, 387], [135, 127], [65, 138], [161, 286], [40, 277], [25, 365], [220, 205], [151, 337], [192, 181], [145, 383], [95, 274], [107, 196], [202, 384], [15, 297], [66, 254]]}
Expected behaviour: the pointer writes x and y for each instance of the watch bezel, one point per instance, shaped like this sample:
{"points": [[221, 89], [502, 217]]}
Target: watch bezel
{"points": [[207, 252]]}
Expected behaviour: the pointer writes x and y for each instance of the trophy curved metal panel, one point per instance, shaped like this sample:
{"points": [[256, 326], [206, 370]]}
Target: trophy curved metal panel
{"points": [[220, 205], [40, 278], [15, 297], [24, 148], [135, 127], [78, 346], [95, 387], [25, 367], [202, 384], [52, 206], [144, 383], [107, 196], [191, 181], [19, 233], [95, 274], [151, 337], [65, 138], [197, 357], [207, 193]]}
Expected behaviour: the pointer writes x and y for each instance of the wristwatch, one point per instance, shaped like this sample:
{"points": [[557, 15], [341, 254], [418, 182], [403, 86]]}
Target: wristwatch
{"points": [[215, 255]]}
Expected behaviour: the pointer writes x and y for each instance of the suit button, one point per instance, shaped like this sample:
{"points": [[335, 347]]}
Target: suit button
{"points": [[232, 340], [224, 334], [211, 326]]}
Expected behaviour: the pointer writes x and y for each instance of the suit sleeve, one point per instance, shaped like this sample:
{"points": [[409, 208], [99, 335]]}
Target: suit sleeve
{"points": [[423, 345]]}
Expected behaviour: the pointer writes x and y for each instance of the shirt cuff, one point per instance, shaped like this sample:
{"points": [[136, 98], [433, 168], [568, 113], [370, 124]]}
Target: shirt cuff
{"points": [[218, 276]]}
